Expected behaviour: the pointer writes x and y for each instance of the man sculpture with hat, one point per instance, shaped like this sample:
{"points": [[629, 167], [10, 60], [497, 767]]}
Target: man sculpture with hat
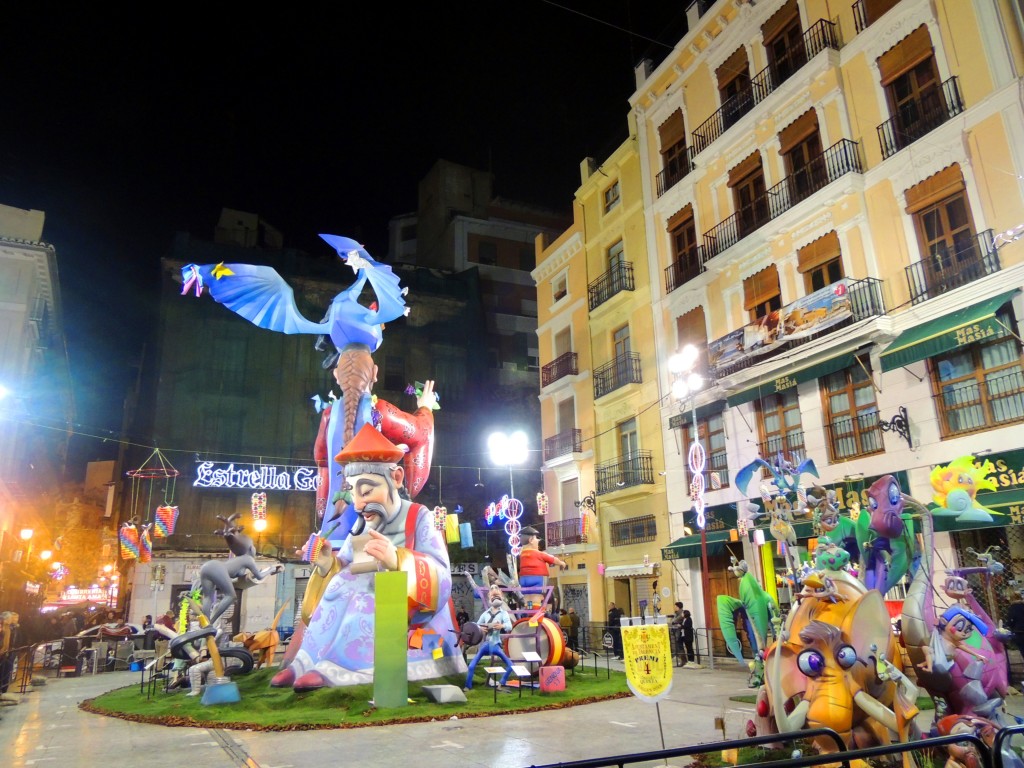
{"points": [[392, 534], [533, 563]]}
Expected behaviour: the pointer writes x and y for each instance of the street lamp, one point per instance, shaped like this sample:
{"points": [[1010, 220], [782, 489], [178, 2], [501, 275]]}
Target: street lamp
{"points": [[259, 525], [507, 450], [687, 382]]}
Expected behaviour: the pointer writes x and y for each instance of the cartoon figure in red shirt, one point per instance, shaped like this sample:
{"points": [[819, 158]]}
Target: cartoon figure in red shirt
{"points": [[533, 564]]}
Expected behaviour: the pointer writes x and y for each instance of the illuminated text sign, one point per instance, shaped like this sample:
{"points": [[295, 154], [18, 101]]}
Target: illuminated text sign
{"points": [[256, 477]]}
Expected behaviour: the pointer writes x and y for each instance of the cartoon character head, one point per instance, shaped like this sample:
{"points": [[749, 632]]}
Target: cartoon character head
{"points": [[885, 502]]}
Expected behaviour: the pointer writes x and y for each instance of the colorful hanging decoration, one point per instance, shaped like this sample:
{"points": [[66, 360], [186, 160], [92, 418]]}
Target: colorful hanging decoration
{"points": [[128, 537], [512, 509], [439, 517], [145, 545], [542, 503], [259, 506], [313, 547], [466, 534], [166, 520], [741, 527], [451, 529], [716, 481], [585, 529]]}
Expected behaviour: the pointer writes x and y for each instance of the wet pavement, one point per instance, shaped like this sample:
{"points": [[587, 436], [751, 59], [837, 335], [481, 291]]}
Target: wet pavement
{"points": [[48, 728]]}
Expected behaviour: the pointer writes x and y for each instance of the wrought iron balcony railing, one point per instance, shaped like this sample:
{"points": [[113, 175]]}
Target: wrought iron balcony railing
{"points": [[820, 36], [790, 446], [565, 442], [623, 370], [971, 406], [841, 158], [568, 531], [948, 268], [685, 268], [920, 116], [617, 279], [561, 366], [669, 177], [624, 472], [853, 436]]}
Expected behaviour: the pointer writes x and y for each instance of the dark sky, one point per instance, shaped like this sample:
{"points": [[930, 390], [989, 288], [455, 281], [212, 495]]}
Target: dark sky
{"points": [[128, 128]]}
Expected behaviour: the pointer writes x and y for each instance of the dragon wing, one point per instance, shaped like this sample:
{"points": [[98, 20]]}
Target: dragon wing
{"points": [[746, 474], [260, 295]]}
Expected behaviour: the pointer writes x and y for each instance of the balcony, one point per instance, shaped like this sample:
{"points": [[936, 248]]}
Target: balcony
{"points": [[564, 532], [841, 158], [617, 279], [790, 445], [685, 269], [623, 370], [834, 307], [820, 36], [560, 367], [564, 443], [918, 117], [950, 268], [625, 472], [853, 436], [972, 406], [672, 175]]}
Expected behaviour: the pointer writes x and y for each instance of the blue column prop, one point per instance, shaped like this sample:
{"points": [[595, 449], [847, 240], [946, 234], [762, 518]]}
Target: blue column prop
{"points": [[467, 535]]}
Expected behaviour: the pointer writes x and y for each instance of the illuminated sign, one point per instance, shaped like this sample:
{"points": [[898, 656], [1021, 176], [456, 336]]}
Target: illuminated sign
{"points": [[256, 477]]}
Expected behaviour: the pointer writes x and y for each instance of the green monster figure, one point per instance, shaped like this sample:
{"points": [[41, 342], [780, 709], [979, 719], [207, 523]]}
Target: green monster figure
{"points": [[755, 608]]}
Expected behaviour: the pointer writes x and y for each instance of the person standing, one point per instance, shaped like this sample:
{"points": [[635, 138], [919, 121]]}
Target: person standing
{"points": [[533, 564], [688, 638], [615, 615], [677, 634], [574, 629], [493, 621]]}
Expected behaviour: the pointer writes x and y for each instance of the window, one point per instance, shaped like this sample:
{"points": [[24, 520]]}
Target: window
{"points": [[620, 342], [487, 252], [851, 414], [779, 426], [734, 87], [560, 287], [912, 88], [526, 262], [569, 494], [685, 254], [820, 262], [634, 531], [800, 146], [611, 196], [674, 157], [394, 373], [784, 42], [711, 433], [566, 415], [762, 295], [747, 183], [616, 256], [691, 328], [981, 385], [628, 438]]}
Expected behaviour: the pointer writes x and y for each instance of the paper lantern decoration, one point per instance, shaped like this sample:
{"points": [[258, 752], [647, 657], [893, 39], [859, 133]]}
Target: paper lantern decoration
{"points": [[854, 510], [542, 504], [166, 519], [128, 537], [259, 506], [145, 545], [734, 534], [716, 481], [312, 549], [451, 529], [759, 536], [585, 529], [766, 493], [600, 569], [741, 527], [439, 515], [466, 533]]}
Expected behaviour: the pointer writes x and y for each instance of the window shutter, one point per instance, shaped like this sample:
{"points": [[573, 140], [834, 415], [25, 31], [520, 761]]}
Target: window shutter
{"points": [[679, 218], [733, 67], [946, 183], [748, 166], [760, 287], [874, 9], [778, 21], [672, 131], [822, 250], [906, 54], [798, 130], [691, 329]]}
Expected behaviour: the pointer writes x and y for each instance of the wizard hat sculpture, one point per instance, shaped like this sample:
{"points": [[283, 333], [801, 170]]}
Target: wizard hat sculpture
{"points": [[369, 445]]}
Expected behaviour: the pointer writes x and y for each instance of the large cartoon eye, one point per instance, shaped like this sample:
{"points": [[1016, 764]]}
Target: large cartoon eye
{"points": [[846, 657], [894, 494], [873, 503], [965, 480], [810, 663]]}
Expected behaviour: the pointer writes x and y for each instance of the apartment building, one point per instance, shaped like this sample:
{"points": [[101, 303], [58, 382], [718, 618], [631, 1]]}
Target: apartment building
{"points": [[833, 199], [602, 438]]}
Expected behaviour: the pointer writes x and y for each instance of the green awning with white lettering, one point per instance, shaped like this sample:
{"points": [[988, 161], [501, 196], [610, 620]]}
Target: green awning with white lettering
{"points": [[790, 379], [685, 418], [942, 334], [689, 546]]}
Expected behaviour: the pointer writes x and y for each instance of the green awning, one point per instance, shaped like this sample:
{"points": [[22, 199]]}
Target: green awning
{"points": [[686, 417], [942, 334], [689, 546], [790, 379]]}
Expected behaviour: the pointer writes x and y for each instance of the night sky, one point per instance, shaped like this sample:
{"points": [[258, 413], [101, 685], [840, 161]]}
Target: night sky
{"points": [[126, 129]]}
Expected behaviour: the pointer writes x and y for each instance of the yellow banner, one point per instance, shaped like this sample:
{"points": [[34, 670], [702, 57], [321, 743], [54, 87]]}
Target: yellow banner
{"points": [[648, 660]]}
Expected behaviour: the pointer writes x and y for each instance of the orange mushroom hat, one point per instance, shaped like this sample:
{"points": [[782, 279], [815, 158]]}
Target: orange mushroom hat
{"points": [[369, 445]]}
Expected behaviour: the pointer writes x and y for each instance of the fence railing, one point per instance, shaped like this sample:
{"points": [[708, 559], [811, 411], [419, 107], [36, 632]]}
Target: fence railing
{"points": [[569, 531], [617, 279], [917, 117], [561, 366], [971, 406], [853, 436], [565, 442], [623, 370], [624, 472], [948, 268]]}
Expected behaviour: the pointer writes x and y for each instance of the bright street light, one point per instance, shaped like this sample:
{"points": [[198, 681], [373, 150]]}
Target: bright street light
{"points": [[507, 450], [26, 534]]}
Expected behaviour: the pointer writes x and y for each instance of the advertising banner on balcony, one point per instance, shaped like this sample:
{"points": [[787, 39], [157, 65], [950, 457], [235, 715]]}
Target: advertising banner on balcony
{"points": [[805, 317]]}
